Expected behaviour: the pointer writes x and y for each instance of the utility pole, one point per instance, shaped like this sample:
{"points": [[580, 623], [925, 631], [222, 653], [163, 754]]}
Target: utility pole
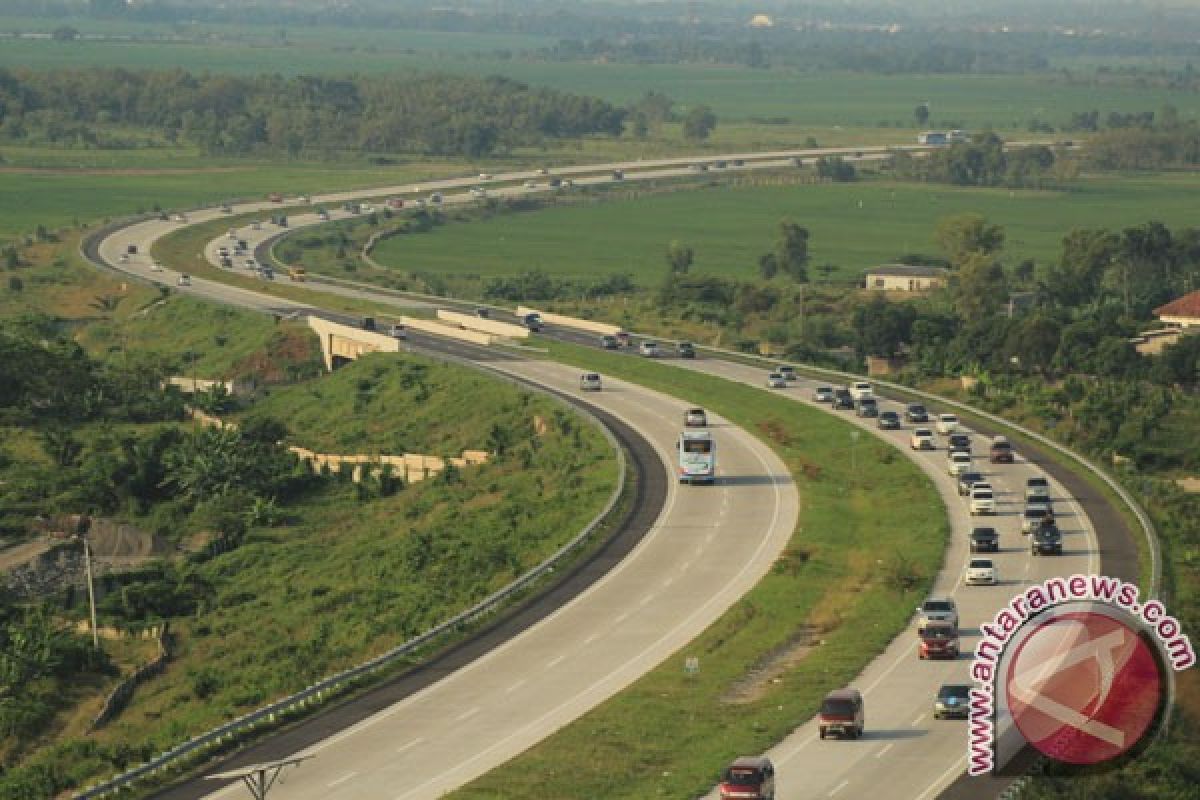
{"points": [[87, 563]]}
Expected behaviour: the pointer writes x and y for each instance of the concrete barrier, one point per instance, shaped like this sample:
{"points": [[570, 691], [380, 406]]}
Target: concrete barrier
{"points": [[450, 332], [474, 323], [588, 325]]}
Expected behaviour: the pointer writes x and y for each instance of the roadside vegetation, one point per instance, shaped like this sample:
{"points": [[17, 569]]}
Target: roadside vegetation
{"points": [[243, 532]]}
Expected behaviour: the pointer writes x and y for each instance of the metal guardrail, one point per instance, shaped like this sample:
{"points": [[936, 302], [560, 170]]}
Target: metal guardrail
{"points": [[1143, 518], [334, 684]]}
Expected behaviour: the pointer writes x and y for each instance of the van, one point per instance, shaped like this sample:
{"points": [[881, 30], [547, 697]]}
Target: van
{"points": [[589, 382], [748, 778], [860, 389], [983, 501], [649, 349], [842, 713], [947, 424], [958, 462]]}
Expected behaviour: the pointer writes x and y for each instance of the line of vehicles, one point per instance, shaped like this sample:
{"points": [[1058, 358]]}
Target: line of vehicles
{"points": [[937, 618]]}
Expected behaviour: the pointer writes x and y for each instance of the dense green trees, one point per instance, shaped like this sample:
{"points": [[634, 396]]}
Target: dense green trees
{"points": [[433, 114], [982, 162]]}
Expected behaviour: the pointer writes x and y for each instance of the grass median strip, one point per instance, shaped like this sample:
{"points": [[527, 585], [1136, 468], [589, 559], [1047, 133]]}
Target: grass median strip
{"points": [[867, 544]]}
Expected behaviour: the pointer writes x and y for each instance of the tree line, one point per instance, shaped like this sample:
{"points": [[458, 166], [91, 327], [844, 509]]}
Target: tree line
{"points": [[226, 115], [984, 162]]}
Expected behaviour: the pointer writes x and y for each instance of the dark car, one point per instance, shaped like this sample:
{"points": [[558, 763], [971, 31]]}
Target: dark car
{"points": [[368, 323], [533, 322], [915, 412], [937, 640], [889, 421], [608, 341], [985, 540], [953, 701], [959, 441], [686, 350], [748, 778], [843, 400], [1001, 451], [1046, 541], [867, 407], [483, 313], [966, 480]]}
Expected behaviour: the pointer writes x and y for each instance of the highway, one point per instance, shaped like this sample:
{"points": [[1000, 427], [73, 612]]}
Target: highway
{"points": [[690, 567]]}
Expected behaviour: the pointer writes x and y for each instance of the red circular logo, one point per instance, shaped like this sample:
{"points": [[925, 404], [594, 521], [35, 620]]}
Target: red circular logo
{"points": [[1083, 687]]}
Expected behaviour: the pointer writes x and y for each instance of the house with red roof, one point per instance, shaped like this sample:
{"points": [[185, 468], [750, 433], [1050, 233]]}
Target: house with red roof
{"points": [[1183, 312]]}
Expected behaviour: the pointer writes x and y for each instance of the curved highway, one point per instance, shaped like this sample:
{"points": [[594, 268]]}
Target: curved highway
{"points": [[688, 569], [692, 565]]}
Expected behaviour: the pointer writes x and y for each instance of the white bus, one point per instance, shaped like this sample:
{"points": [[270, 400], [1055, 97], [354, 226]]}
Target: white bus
{"points": [[697, 457]]}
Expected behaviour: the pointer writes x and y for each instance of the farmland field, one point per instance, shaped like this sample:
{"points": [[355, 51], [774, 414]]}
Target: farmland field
{"points": [[729, 227], [59, 198], [833, 101]]}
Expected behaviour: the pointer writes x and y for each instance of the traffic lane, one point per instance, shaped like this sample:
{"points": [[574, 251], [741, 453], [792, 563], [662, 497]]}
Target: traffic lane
{"points": [[695, 563], [899, 694]]}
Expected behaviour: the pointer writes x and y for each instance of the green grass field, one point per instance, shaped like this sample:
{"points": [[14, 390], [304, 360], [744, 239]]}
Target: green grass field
{"points": [[729, 227], [830, 101], [61, 197]]}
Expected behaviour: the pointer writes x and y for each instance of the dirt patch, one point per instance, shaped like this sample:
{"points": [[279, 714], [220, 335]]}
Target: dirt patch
{"points": [[289, 350], [772, 667], [1191, 485], [114, 540]]}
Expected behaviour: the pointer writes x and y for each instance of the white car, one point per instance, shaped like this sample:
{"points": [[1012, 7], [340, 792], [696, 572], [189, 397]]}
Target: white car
{"points": [[937, 609], [530, 184], [983, 500], [775, 380], [860, 389], [921, 439], [958, 462], [184, 280], [484, 176], [823, 394], [947, 424], [980, 572], [398, 332], [179, 218], [589, 382], [649, 349]]}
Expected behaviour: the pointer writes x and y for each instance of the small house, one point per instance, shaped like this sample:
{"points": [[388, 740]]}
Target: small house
{"points": [[906, 278]]}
